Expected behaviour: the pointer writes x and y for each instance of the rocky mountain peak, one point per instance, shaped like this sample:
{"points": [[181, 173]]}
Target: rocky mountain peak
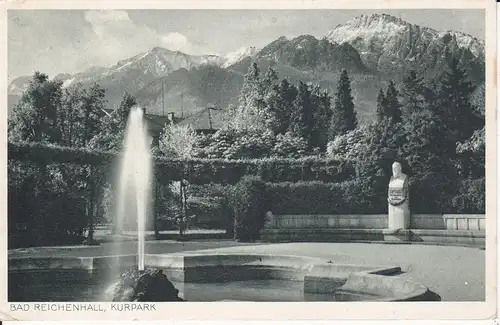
{"points": [[376, 21], [391, 45]]}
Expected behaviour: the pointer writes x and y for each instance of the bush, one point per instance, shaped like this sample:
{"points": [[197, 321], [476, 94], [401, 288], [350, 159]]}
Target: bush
{"points": [[248, 201], [471, 198], [46, 205], [349, 146]]}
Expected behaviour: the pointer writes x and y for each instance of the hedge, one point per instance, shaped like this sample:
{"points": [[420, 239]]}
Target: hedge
{"points": [[248, 201], [369, 196], [349, 197], [197, 171]]}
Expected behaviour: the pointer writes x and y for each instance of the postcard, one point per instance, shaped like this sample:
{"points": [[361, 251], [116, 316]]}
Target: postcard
{"points": [[249, 160]]}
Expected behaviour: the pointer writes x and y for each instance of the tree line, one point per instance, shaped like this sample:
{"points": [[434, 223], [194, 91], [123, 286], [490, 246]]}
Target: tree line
{"points": [[435, 128]]}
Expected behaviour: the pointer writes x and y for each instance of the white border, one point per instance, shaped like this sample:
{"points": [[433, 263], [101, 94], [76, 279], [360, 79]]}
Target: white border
{"points": [[282, 311]]}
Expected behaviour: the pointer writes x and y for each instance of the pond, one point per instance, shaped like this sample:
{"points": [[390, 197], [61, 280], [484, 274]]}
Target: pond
{"points": [[65, 286]]}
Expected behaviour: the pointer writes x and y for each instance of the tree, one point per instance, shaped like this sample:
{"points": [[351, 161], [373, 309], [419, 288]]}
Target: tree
{"points": [[381, 104], [392, 106], [59, 197], [113, 126], [92, 113], [250, 85], [322, 114], [383, 147], [412, 92], [252, 111], [343, 116], [454, 106], [302, 118], [269, 82], [430, 158], [71, 125], [472, 155], [35, 117], [178, 141], [282, 107], [349, 146], [425, 148], [478, 100]]}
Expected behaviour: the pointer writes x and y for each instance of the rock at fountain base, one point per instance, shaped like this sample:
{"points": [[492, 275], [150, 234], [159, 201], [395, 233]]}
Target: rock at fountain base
{"points": [[141, 286]]}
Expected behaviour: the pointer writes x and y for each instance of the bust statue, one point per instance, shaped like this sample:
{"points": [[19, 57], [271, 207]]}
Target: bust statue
{"points": [[398, 186], [398, 198]]}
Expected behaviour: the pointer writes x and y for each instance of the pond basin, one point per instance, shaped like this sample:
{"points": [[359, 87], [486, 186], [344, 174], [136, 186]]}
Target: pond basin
{"points": [[212, 277]]}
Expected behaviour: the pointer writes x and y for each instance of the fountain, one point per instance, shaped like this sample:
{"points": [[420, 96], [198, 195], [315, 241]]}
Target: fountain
{"points": [[134, 180], [134, 188]]}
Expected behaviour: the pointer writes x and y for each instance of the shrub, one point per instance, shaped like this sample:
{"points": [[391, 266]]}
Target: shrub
{"points": [[248, 201], [471, 197], [46, 206], [289, 146], [349, 146]]}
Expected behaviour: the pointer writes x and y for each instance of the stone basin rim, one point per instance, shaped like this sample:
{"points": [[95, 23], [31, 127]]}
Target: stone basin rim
{"points": [[271, 260], [368, 279]]}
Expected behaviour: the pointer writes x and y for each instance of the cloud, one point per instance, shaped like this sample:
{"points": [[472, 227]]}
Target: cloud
{"points": [[177, 42], [115, 36]]}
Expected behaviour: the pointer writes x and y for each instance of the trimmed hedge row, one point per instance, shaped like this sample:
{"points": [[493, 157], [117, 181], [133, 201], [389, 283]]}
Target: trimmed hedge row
{"points": [[349, 197], [369, 196], [196, 171]]}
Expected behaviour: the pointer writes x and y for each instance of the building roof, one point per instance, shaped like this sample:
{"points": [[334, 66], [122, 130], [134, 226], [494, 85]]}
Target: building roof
{"points": [[156, 123], [201, 119]]}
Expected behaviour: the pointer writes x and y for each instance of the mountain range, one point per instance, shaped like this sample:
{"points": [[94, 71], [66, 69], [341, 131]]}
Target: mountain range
{"points": [[374, 49]]}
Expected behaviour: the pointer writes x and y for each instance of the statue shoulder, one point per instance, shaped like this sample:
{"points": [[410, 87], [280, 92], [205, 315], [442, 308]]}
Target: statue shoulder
{"points": [[405, 179]]}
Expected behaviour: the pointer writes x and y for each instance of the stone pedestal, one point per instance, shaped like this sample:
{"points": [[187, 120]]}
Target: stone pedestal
{"points": [[399, 216]]}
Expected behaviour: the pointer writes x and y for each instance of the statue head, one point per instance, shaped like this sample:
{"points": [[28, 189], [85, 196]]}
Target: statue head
{"points": [[396, 169]]}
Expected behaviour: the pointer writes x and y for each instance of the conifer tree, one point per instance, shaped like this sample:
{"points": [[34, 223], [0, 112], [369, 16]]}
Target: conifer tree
{"points": [[343, 116], [250, 86], [454, 106], [381, 104], [302, 118], [412, 92], [392, 107], [322, 113], [283, 106]]}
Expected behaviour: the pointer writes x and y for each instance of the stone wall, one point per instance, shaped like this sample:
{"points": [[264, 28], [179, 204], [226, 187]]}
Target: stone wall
{"points": [[375, 221], [452, 229]]}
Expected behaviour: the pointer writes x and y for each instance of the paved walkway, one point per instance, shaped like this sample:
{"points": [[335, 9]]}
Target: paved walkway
{"points": [[455, 273]]}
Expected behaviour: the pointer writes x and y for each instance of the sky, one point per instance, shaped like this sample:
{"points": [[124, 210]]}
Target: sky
{"points": [[70, 41]]}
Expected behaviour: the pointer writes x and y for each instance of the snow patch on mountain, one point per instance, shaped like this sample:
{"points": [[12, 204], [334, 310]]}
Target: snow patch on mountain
{"points": [[238, 55]]}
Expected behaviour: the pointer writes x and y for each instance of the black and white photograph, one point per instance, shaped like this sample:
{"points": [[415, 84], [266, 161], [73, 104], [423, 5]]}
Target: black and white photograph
{"points": [[248, 155]]}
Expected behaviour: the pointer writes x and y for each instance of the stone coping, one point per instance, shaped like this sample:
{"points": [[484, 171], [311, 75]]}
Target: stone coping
{"points": [[468, 238], [388, 288], [319, 275]]}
